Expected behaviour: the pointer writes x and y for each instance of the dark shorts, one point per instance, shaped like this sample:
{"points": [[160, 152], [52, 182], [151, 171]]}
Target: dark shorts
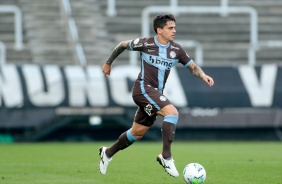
{"points": [[149, 101]]}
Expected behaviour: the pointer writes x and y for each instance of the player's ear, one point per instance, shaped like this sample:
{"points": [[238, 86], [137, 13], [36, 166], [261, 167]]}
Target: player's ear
{"points": [[159, 30]]}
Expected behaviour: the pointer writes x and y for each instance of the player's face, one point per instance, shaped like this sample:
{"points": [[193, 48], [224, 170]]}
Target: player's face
{"points": [[168, 31]]}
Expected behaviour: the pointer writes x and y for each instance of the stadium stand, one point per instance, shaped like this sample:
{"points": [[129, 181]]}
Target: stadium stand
{"points": [[46, 35], [92, 31], [7, 36], [225, 40], [46, 32]]}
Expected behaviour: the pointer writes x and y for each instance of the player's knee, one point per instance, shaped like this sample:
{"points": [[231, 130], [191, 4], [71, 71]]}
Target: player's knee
{"points": [[171, 119], [174, 112], [138, 135], [132, 137], [168, 110]]}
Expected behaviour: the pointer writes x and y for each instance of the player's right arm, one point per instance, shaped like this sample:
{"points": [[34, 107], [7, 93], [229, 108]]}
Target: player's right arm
{"points": [[116, 52]]}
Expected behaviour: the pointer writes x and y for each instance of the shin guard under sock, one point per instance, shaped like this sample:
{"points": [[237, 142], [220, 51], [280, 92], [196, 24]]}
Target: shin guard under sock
{"points": [[168, 132]]}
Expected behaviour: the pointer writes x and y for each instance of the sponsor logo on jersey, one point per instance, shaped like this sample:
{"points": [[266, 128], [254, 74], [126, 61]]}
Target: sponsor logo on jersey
{"points": [[149, 50], [137, 45], [148, 44], [161, 62], [148, 109], [172, 47]]}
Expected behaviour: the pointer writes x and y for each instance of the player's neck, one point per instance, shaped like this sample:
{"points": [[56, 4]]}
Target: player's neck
{"points": [[161, 40]]}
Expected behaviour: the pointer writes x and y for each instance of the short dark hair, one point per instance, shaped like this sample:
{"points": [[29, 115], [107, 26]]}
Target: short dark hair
{"points": [[161, 20]]}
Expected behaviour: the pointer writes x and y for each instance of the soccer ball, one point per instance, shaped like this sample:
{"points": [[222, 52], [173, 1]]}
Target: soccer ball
{"points": [[194, 173]]}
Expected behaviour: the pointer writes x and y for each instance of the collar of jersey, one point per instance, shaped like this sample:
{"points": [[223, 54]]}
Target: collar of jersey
{"points": [[160, 45]]}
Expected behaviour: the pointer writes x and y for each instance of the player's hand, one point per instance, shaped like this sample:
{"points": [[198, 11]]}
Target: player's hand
{"points": [[106, 69], [208, 80]]}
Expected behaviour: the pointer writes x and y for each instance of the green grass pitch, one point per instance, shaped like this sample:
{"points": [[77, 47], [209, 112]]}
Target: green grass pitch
{"points": [[77, 163]]}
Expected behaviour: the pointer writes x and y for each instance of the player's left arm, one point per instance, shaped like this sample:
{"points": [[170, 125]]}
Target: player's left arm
{"points": [[198, 72]]}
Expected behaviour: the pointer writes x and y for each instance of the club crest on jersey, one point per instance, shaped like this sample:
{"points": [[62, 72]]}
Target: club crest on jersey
{"points": [[172, 54], [163, 98]]}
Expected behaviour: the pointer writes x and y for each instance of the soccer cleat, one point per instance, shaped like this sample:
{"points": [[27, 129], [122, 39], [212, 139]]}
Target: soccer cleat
{"points": [[104, 160], [168, 165]]}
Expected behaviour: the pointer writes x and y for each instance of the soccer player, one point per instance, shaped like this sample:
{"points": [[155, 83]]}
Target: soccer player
{"points": [[158, 55]]}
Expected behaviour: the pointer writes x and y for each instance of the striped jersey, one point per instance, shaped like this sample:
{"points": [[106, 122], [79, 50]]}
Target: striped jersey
{"points": [[157, 60]]}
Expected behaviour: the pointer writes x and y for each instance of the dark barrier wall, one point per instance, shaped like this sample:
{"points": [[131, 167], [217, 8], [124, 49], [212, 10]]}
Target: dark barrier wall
{"points": [[242, 86], [243, 95]]}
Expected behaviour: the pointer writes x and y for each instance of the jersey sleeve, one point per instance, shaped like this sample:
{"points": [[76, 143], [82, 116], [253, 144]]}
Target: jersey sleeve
{"points": [[184, 58], [137, 44]]}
